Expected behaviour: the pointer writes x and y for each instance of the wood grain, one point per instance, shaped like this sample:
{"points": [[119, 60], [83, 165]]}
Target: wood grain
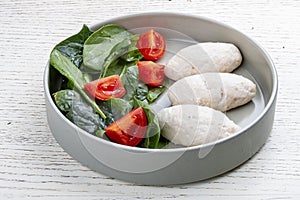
{"points": [[34, 166]]}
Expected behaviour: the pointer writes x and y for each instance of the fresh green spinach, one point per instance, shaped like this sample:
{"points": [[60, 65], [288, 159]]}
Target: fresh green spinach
{"points": [[116, 52], [72, 47], [64, 99], [84, 57], [100, 44], [130, 80], [77, 111], [135, 88], [116, 107], [115, 68], [153, 130], [154, 93], [141, 91], [87, 77], [162, 143], [133, 53], [65, 66], [84, 117]]}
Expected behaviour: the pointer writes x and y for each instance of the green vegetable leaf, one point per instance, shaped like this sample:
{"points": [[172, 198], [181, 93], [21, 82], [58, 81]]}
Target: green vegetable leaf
{"points": [[141, 91], [116, 107], [154, 93], [72, 47], [162, 143], [133, 52], [136, 88], [108, 51], [117, 51], [119, 107], [87, 78], [99, 45], [130, 80], [77, 111], [100, 133], [64, 99], [115, 68], [74, 75], [65, 66], [153, 130], [84, 117]]}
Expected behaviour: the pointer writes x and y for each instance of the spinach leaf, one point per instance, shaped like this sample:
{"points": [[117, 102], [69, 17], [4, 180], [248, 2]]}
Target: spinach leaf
{"points": [[84, 117], [119, 107], [116, 107], [162, 143], [65, 66], [154, 93], [87, 77], [133, 52], [138, 103], [100, 133], [85, 69], [130, 80], [153, 130], [115, 68], [99, 45], [77, 111], [64, 99], [72, 47], [141, 91], [135, 88], [117, 51]]}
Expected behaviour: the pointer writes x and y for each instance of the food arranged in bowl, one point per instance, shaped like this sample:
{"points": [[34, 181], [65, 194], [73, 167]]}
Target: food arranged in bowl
{"points": [[184, 124], [112, 77]]}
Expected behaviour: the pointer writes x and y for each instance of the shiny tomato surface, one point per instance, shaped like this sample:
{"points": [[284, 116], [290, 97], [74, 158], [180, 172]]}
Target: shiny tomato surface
{"points": [[106, 88], [130, 129], [151, 73], [152, 45]]}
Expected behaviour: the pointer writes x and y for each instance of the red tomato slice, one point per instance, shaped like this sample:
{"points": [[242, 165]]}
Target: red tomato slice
{"points": [[151, 73], [106, 88], [129, 129], [152, 45]]}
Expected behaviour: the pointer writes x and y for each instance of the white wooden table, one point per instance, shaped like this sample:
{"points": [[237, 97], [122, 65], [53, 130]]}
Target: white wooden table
{"points": [[34, 166]]}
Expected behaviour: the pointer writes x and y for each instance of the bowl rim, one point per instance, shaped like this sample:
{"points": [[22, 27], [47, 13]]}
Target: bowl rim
{"points": [[262, 51]]}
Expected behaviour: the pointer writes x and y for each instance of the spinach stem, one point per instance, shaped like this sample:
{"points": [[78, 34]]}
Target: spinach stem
{"points": [[67, 68], [93, 103], [105, 71]]}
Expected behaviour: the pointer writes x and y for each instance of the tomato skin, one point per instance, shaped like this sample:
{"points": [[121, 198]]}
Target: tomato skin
{"points": [[151, 45], [151, 73], [130, 129], [106, 88]]}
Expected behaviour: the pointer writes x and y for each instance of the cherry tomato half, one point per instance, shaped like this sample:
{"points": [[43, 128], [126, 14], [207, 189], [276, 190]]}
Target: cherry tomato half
{"points": [[151, 73], [106, 88], [152, 45], [129, 129]]}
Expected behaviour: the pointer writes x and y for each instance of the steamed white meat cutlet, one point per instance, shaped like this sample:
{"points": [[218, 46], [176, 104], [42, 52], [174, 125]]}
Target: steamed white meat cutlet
{"points": [[202, 58], [191, 125], [221, 91]]}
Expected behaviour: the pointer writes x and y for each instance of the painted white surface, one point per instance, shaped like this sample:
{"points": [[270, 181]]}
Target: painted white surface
{"points": [[34, 166]]}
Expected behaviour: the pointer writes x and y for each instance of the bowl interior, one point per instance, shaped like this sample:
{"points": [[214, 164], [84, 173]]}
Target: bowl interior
{"points": [[181, 31]]}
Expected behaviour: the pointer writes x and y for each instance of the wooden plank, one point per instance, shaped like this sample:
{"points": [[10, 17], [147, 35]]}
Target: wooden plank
{"points": [[34, 166]]}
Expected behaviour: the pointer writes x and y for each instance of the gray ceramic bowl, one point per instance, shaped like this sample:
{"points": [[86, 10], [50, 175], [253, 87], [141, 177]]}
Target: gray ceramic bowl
{"points": [[179, 165]]}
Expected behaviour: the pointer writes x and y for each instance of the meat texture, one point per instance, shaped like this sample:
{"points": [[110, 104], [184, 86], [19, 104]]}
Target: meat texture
{"points": [[191, 125], [202, 58], [221, 91]]}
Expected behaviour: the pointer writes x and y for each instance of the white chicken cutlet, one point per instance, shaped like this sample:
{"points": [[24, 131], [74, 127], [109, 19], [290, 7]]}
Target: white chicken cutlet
{"points": [[220, 91], [191, 125], [202, 58]]}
